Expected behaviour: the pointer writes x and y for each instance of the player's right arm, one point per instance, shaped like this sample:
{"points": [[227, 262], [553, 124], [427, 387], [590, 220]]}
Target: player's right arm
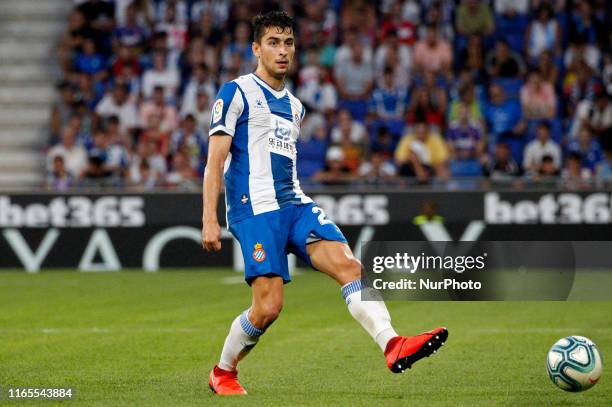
{"points": [[226, 110], [218, 149]]}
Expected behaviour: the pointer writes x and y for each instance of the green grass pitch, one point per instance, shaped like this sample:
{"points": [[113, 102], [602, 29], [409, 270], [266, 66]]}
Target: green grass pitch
{"points": [[144, 339]]}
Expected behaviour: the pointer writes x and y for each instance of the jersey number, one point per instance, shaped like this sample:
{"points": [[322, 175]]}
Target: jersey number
{"points": [[321, 218]]}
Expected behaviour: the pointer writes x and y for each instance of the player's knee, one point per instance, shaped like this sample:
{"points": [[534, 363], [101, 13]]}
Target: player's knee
{"points": [[266, 314], [349, 269]]}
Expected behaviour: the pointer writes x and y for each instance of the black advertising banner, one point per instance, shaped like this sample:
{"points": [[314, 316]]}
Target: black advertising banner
{"points": [[162, 230]]}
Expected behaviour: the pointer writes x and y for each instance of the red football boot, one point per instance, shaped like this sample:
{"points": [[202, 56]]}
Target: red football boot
{"points": [[403, 351], [224, 382]]}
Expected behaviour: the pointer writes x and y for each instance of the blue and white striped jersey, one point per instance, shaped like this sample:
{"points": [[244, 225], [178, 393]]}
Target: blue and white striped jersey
{"points": [[260, 174]]}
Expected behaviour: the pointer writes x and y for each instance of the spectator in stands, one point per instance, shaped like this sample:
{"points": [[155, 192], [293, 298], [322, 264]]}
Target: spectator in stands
{"points": [[89, 91], [158, 106], [587, 149], [194, 144], [574, 175], [201, 80], [99, 17], [130, 32], [335, 170], [580, 83], [90, 61], [394, 54], [182, 174], [465, 143], [594, 116], [241, 47], [472, 57], [62, 110], [395, 23], [74, 155], [116, 103], [384, 142], [312, 145], [58, 178], [541, 147], [503, 62], [97, 171], [174, 26], [604, 168], [474, 17], [117, 158], [350, 134], [441, 15], [502, 166], [319, 94], [156, 133], [584, 24], [580, 49], [160, 75], [467, 99], [543, 34], [411, 11], [606, 74], [433, 54], [503, 116], [538, 99], [355, 80], [422, 153], [144, 178], [389, 102], [377, 169], [201, 111], [547, 170], [423, 106], [547, 68], [156, 163]]}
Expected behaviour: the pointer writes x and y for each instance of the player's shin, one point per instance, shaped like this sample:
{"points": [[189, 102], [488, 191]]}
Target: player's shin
{"points": [[242, 337], [366, 306]]}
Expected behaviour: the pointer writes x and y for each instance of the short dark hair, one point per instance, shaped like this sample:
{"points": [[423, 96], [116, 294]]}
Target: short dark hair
{"points": [[545, 124], [262, 22]]}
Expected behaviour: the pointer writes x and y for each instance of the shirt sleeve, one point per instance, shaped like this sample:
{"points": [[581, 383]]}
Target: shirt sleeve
{"points": [[226, 110]]}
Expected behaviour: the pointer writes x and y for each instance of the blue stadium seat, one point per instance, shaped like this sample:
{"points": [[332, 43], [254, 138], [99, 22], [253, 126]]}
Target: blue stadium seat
{"points": [[512, 30], [465, 168]]}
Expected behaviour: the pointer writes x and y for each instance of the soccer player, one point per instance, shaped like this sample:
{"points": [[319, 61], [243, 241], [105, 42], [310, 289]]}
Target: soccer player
{"points": [[254, 127]]}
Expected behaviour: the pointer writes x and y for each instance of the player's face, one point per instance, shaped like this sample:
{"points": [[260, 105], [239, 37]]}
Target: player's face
{"points": [[275, 51]]}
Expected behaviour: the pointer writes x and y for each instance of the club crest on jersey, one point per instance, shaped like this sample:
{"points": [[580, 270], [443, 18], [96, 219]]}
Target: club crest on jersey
{"points": [[259, 103], [259, 254], [296, 118], [217, 110]]}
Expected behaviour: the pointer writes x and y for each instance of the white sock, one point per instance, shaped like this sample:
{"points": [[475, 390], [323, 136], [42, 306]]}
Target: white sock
{"points": [[242, 337], [372, 314]]}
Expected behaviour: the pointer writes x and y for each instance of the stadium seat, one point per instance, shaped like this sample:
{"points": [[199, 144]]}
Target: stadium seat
{"points": [[465, 168]]}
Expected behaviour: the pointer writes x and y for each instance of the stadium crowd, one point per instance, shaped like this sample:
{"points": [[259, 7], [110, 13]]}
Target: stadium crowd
{"points": [[433, 90]]}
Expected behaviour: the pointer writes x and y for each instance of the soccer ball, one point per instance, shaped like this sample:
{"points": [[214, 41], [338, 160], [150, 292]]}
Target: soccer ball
{"points": [[574, 363]]}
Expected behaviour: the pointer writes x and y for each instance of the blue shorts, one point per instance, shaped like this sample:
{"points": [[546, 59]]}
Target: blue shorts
{"points": [[267, 238]]}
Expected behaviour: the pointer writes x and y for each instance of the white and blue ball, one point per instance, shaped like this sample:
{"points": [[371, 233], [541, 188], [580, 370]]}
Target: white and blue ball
{"points": [[574, 363]]}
